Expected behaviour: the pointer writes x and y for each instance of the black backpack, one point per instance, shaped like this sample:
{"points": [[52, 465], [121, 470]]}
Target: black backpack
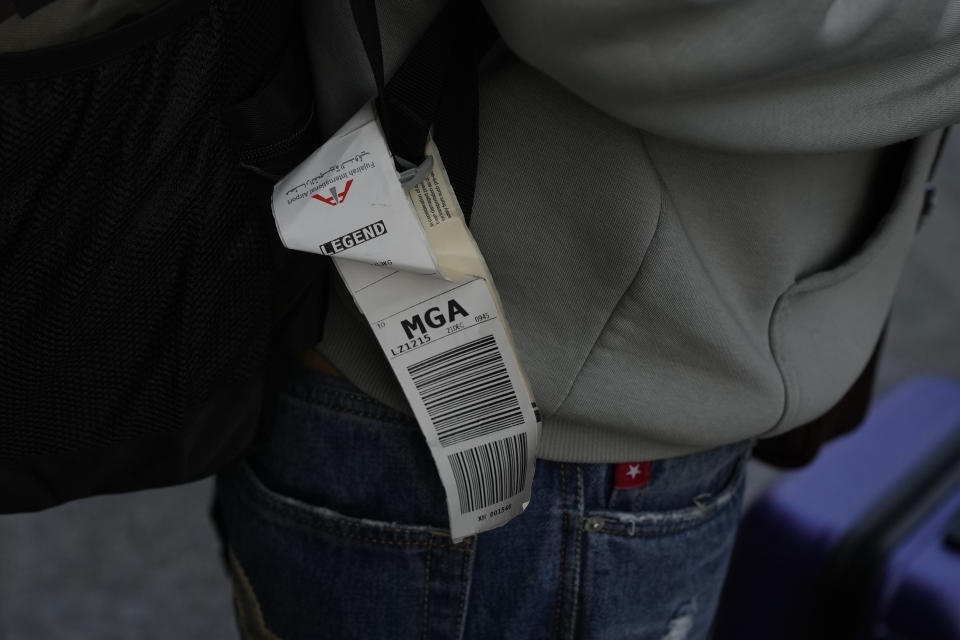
{"points": [[143, 292], [147, 304]]}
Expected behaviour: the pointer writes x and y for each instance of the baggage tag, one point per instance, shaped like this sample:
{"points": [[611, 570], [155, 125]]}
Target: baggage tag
{"points": [[417, 275]]}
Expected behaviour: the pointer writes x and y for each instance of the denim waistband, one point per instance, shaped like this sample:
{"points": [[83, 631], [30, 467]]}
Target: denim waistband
{"points": [[339, 394]]}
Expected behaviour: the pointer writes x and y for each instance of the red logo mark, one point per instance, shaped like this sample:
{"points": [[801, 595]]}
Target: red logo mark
{"points": [[630, 475], [335, 198]]}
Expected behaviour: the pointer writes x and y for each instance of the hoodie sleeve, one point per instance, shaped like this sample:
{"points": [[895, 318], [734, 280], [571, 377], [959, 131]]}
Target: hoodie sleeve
{"points": [[751, 75]]}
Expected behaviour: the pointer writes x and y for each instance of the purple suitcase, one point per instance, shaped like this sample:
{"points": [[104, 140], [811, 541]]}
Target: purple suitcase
{"points": [[865, 542]]}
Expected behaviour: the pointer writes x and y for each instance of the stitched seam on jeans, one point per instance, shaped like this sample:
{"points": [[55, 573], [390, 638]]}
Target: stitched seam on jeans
{"points": [[354, 536], [561, 582], [312, 393], [578, 544], [659, 534], [627, 534], [327, 398], [316, 522], [368, 414], [464, 568], [335, 527], [383, 415], [426, 593], [715, 512], [679, 520]]}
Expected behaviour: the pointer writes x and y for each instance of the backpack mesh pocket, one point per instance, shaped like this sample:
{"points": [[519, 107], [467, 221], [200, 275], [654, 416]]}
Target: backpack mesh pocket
{"points": [[136, 255]]}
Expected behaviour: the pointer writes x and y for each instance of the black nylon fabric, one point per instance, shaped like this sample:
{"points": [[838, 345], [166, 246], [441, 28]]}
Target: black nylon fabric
{"points": [[26, 7], [137, 255], [435, 87]]}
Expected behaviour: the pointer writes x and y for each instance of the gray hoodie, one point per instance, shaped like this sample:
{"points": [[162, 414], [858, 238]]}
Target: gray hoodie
{"points": [[696, 212]]}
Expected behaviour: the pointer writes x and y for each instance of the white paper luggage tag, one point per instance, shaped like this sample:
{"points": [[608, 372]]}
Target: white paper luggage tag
{"points": [[417, 275]]}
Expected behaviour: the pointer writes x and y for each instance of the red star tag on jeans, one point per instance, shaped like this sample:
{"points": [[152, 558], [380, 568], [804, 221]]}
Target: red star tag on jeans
{"points": [[630, 475]]}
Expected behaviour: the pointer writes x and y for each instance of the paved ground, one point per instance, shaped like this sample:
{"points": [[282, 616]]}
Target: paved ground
{"points": [[144, 566], [133, 567]]}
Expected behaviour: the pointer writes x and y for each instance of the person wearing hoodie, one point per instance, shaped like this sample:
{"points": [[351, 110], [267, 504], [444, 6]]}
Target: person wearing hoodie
{"points": [[696, 214]]}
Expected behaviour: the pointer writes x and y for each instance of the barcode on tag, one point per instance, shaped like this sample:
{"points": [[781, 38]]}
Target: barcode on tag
{"points": [[490, 473], [467, 391]]}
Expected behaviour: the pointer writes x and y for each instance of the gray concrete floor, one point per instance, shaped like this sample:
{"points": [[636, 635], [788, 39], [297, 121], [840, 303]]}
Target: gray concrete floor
{"points": [[136, 566], [145, 565]]}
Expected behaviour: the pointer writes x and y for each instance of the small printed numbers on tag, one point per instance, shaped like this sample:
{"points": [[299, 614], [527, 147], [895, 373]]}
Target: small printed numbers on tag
{"points": [[410, 345]]}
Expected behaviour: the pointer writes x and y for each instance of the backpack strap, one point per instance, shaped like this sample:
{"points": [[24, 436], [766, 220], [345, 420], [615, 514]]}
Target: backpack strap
{"points": [[436, 86]]}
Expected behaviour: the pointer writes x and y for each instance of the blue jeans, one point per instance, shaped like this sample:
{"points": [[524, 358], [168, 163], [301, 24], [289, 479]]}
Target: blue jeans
{"points": [[335, 528]]}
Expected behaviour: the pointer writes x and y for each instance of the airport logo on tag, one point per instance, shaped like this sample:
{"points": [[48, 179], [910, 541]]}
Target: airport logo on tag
{"points": [[434, 318], [354, 238], [335, 197]]}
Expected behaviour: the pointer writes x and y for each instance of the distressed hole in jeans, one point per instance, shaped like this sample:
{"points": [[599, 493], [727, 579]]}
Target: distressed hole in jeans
{"points": [[681, 624], [702, 500]]}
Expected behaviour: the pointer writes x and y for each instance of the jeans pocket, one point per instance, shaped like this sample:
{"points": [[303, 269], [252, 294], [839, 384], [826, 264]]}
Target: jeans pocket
{"points": [[648, 523], [330, 445], [336, 522], [305, 571], [656, 571], [658, 575], [679, 492]]}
